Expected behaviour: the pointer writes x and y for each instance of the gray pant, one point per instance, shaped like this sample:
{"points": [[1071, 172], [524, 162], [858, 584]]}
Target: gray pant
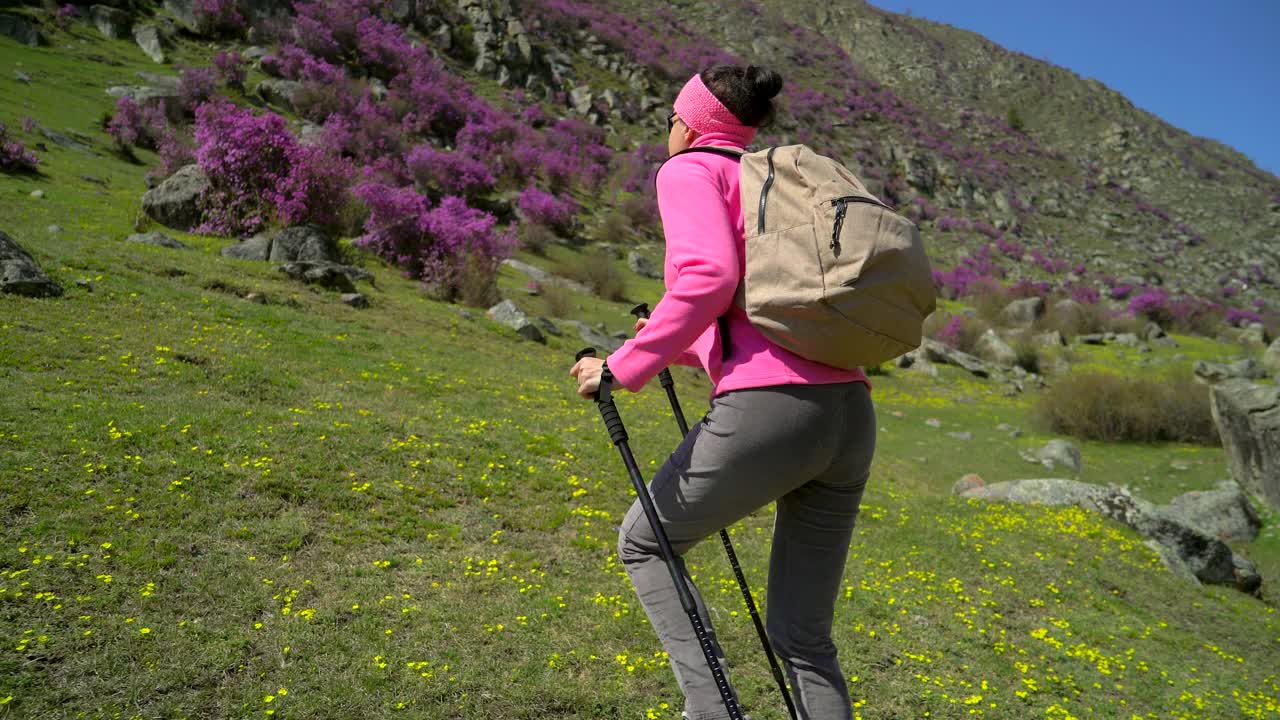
{"points": [[808, 447]]}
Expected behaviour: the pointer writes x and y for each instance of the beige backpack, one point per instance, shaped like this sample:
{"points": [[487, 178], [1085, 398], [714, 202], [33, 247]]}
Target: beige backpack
{"points": [[833, 274]]}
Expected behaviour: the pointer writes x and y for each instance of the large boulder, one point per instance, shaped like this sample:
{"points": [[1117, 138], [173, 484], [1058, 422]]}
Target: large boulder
{"points": [[1208, 558], [1060, 452], [304, 242], [1271, 359], [1248, 420], [938, 352], [594, 338], [1212, 373], [19, 274], [17, 28], [165, 96], [544, 277], [184, 11], [278, 92], [1224, 513], [111, 22], [506, 313], [257, 248], [176, 203], [150, 41], [158, 239], [643, 266], [992, 348], [1023, 312], [326, 275]]}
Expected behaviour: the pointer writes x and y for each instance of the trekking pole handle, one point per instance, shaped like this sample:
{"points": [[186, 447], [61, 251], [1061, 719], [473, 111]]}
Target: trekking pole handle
{"points": [[604, 400]]}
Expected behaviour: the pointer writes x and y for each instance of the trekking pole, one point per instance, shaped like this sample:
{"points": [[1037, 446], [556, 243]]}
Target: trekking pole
{"points": [[618, 434], [669, 384]]}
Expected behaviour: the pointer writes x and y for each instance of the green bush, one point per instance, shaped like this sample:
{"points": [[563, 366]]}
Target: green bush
{"points": [[598, 271], [1110, 408], [559, 301]]}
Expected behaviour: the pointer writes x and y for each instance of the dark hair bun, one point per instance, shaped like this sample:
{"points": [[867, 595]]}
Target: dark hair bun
{"points": [[765, 82], [747, 92]]}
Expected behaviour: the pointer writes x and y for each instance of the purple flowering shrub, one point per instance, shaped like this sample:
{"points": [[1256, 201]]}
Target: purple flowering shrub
{"points": [[218, 17], [14, 156], [453, 172], [29, 124], [195, 87], [65, 16], [543, 208], [135, 126], [230, 69], [442, 246], [258, 172]]}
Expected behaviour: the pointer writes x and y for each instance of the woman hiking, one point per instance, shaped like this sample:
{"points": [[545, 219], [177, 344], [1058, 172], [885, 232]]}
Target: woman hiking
{"points": [[780, 427]]}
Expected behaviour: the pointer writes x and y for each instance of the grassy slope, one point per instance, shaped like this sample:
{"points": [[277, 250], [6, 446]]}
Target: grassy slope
{"points": [[402, 511]]}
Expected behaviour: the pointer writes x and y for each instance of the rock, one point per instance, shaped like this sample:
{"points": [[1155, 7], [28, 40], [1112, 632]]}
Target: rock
{"points": [[549, 327], [594, 338], [256, 298], [1225, 513], [17, 28], [506, 313], [150, 41], [1247, 578], [19, 274], [277, 91], [54, 229], [544, 277], [257, 248], [643, 266], [37, 194], [112, 23], [304, 242], [255, 53], [1209, 559], [1092, 339], [1153, 332], [1271, 359], [1212, 373], [158, 239], [960, 435], [992, 348], [1255, 335], [150, 96], [933, 423], [966, 483], [1128, 340], [176, 203], [942, 353], [1050, 339], [1023, 312], [66, 141], [326, 275], [1060, 452], [355, 300], [184, 11], [85, 285], [1248, 420], [22, 77], [917, 362]]}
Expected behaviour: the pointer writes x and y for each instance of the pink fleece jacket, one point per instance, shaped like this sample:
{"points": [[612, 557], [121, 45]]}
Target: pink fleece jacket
{"points": [[703, 222]]}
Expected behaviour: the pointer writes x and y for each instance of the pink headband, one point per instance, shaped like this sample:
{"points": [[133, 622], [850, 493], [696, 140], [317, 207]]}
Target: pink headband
{"points": [[703, 113]]}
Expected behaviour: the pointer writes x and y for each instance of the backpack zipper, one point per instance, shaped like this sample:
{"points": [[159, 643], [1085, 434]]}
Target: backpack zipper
{"points": [[841, 204], [764, 194]]}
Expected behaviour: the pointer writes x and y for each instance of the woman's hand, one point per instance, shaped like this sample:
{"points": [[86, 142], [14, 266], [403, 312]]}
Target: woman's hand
{"points": [[640, 323], [587, 371]]}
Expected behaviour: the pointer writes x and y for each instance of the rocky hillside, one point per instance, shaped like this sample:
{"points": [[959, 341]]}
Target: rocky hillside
{"points": [[1019, 172]]}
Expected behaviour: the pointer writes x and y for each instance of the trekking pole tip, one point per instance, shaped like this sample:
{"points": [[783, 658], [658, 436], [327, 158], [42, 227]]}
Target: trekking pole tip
{"points": [[585, 352]]}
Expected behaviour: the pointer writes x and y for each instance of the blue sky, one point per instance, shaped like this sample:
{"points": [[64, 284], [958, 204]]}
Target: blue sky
{"points": [[1212, 69]]}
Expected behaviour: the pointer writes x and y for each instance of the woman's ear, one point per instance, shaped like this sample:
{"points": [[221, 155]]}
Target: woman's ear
{"points": [[690, 135]]}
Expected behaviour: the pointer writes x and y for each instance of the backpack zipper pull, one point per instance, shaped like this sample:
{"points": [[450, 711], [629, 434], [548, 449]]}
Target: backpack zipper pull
{"points": [[841, 205]]}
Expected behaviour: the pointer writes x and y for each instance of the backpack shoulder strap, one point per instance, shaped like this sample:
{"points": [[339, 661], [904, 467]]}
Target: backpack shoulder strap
{"points": [[722, 322]]}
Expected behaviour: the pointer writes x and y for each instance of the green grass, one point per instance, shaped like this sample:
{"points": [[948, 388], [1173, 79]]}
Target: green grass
{"points": [[213, 508]]}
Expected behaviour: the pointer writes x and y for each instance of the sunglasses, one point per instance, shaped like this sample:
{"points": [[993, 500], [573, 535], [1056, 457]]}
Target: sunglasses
{"points": [[671, 122]]}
